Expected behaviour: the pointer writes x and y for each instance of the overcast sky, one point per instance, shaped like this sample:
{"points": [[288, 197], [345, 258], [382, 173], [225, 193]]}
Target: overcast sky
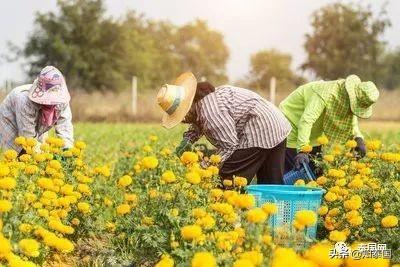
{"points": [[248, 25]]}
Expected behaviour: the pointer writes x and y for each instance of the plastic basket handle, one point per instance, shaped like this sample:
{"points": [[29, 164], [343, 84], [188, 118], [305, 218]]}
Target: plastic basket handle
{"points": [[310, 173]]}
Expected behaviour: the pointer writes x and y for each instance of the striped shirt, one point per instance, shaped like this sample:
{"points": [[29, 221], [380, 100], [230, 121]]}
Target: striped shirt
{"points": [[19, 116], [234, 118]]}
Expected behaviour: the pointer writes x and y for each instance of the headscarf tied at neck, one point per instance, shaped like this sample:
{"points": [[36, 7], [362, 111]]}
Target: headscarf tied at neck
{"points": [[49, 115]]}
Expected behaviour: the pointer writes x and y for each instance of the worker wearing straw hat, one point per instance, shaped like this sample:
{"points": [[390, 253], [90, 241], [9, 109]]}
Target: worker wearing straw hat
{"points": [[31, 110], [329, 108], [248, 131]]}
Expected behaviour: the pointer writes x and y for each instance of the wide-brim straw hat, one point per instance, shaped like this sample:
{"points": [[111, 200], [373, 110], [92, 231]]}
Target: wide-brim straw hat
{"points": [[176, 99], [362, 96], [49, 88]]}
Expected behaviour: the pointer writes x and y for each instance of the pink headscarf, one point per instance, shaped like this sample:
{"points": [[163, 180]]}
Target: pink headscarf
{"points": [[49, 115]]}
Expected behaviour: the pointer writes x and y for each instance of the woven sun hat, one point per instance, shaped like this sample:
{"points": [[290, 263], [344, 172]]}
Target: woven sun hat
{"points": [[362, 96], [49, 88], [176, 99]]}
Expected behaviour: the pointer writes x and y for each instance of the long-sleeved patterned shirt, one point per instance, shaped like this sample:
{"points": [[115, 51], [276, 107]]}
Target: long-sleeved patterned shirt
{"points": [[19, 116], [234, 118], [316, 108]]}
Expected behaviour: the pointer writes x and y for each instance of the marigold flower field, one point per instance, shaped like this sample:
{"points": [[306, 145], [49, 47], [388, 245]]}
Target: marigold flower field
{"points": [[118, 200]]}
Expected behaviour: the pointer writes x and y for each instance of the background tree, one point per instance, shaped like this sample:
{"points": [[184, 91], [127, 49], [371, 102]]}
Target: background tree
{"points": [[392, 69], [79, 41], [99, 53], [266, 64], [345, 39], [202, 50]]}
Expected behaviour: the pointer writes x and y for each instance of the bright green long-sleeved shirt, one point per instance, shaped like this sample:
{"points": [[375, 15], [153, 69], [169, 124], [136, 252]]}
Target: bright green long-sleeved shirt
{"points": [[306, 111]]}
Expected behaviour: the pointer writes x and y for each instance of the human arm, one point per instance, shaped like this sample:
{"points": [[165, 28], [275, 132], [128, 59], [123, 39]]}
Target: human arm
{"points": [[64, 128]]}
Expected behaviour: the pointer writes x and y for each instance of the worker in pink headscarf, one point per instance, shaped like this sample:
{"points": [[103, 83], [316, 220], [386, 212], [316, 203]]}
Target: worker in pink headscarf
{"points": [[31, 110]]}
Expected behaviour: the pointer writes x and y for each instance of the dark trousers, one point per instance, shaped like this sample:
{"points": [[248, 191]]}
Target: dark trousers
{"points": [[291, 154], [266, 164]]}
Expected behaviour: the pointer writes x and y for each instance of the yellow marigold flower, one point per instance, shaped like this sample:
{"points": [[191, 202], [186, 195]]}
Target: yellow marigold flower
{"points": [[80, 145], [243, 263], [306, 217], [306, 149], [254, 256], [329, 158], [215, 159], [256, 215], [329, 196], [239, 181], [203, 259], [30, 247], [199, 213], [389, 221], [57, 225], [5, 205], [10, 154], [300, 182], [165, 261], [322, 210], [227, 182], [30, 141], [319, 254], [4, 170], [165, 152], [322, 180], [174, 212], [365, 261], [84, 207], [7, 183], [337, 236], [213, 169], [191, 232], [216, 193], [149, 162], [356, 183], [193, 177], [356, 221], [5, 246], [341, 182], [353, 203], [351, 144], [147, 221], [124, 181], [31, 169], [147, 148], [25, 227], [123, 209], [244, 201], [207, 222], [269, 208], [168, 177], [20, 140], [189, 157], [132, 198], [373, 144], [322, 140]]}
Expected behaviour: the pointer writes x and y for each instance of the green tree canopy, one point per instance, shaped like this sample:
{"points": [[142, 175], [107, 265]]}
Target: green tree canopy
{"points": [[100, 53], [202, 50], [392, 69], [266, 64], [345, 39]]}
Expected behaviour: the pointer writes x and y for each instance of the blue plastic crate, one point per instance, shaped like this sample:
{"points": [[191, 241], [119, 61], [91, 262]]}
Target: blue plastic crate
{"points": [[289, 199], [304, 173]]}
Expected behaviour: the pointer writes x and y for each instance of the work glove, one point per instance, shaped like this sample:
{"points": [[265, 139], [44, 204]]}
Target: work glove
{"points": [[299, 159], [185, 145], [360, 149]]}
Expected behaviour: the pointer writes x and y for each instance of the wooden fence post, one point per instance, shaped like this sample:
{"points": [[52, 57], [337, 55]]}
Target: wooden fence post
{"points": [[272, 90], [134, 95]]}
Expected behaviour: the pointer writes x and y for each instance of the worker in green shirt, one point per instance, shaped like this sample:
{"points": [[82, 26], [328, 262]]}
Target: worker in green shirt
{"points": [[329, 108]]}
